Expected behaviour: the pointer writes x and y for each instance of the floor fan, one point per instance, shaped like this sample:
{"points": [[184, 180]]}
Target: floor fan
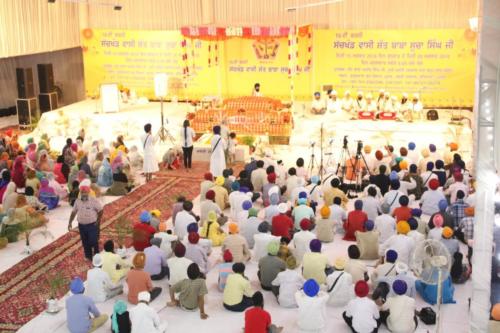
{"points": [[431, 263]]}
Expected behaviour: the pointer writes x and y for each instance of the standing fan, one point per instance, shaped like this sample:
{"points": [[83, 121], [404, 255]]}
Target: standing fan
{"points": [[431, 263]]}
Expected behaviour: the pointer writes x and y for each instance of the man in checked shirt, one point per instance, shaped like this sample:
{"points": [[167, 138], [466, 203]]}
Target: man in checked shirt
{"points": [[88, 212]]}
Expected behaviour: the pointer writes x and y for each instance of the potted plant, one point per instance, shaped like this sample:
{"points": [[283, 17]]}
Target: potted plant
{"points": [[56, 282], [123, 229], [248, 140]]}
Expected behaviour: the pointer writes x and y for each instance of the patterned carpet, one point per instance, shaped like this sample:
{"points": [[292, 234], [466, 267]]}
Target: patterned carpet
{"points": [[24, 288]]}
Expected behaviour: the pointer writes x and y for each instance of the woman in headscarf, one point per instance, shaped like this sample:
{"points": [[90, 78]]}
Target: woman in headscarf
{"points": [[61, 171], [97, 163], [9, 197], [27, 215], [120, 320], [4, 182], [44, 163], [120, 182], [105, 175], [32, 180], [84, 165], [18, 175], [212, 230], [47, 194], [5, 162]]}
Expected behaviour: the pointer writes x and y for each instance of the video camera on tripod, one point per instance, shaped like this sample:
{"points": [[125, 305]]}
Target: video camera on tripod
{"points": [[359, 148]]}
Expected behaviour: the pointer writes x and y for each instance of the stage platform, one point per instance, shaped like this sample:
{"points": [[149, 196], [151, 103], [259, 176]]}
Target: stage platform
{"points": [[129, 122]]}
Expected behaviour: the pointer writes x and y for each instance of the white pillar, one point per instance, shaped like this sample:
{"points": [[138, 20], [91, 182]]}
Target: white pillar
{"points": [[83, 15], [486, 117], [207, 11]]}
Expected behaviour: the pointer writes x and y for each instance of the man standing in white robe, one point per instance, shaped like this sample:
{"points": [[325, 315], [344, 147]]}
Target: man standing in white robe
{"points": [[150, 164], [217, 158]]}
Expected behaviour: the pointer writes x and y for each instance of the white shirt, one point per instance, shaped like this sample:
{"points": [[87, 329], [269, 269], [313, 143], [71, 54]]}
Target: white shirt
{"points": [[145, 319], [371, 206], [417, 236], [405, 186], [427, 176], [364, 313], [312, 311], [166, 242], [236, 199], [291, 184], [249, 228], [270, 212], [402, 244], [430, 201], [98, 283], [392, 199], [178, 269], [187, 137], [338, 215], [301, 242], [261, 240], [333, 105], [289, 281], [316, 195], [454, 188], [402, 312], [344, 288], [182, 220], [435, 233], [386, 226], [318, 104]]}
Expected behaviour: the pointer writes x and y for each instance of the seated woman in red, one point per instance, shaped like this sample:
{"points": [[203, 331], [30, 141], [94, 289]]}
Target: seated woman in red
{"points": [[355, 221]]}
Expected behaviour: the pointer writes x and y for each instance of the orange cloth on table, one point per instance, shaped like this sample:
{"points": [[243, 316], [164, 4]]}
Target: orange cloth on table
{"points": [[355, 222]]}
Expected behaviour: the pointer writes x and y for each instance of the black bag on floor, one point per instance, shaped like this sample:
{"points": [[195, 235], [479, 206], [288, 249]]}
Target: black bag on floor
{"points": [[428, 316]]}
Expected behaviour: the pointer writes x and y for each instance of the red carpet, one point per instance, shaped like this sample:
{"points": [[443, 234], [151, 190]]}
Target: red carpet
{"points": [[24, 289]]}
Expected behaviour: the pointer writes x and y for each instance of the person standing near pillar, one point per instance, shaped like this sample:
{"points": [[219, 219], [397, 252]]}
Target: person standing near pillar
{"points": [[88, 212]]}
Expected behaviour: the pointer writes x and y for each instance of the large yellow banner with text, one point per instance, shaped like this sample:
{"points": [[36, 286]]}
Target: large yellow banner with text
{"points": [[437, 64], [132, 58]]}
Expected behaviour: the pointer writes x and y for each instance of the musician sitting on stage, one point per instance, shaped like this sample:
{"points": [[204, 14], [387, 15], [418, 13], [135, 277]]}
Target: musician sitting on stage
{"points": [[333, 104], [359, 104], [380, 100], [318, 105], [347, 102], [404, 106], [416, 108], [370, 105]]}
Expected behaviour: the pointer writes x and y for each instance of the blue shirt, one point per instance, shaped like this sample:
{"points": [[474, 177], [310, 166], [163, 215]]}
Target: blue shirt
{"points": [[78, 308]]}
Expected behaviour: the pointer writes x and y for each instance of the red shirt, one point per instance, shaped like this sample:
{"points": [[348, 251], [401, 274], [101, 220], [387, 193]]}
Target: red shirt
{"points": [[142, 235], [402, 213], [257, 320], [355, 222], [281, 225]]}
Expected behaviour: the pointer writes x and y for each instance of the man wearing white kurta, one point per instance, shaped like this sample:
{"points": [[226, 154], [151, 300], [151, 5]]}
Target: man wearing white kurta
{"points": [[99, 285], [217, 158], [339, 285], [402, 244], [150, 164], [333, 105], [144, 318], [385, 224]]}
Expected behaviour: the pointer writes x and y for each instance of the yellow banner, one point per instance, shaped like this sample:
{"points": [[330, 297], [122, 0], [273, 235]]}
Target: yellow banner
{"points": [[132, 58], [437, 64]]}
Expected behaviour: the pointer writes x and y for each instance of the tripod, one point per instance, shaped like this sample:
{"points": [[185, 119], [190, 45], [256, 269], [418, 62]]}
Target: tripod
{"points": [[163, 133], [312, 161]]}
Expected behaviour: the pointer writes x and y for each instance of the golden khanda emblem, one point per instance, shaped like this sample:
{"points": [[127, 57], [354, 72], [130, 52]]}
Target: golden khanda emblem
{"points": [[266, 49]]}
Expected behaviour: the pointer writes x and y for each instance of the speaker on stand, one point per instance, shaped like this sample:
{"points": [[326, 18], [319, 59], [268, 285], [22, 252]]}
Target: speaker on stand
{"points": [[48, 95], [27, 112]]}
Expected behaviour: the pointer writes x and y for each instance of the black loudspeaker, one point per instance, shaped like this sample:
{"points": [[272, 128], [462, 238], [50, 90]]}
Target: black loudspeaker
{"points": [[45, 78], [25, 87], [27, 112], [47, 102]]}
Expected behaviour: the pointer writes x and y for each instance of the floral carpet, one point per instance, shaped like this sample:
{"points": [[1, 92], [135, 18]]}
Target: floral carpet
{"points": [[24, 287]]}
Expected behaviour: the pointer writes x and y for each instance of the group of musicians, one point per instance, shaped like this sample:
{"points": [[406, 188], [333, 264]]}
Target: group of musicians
{"points": [[365, 105]]}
